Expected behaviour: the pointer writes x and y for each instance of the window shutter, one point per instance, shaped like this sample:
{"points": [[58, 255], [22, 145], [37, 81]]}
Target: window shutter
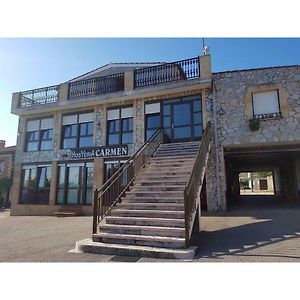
{"points": [[152, 108], [33, 125], [88, 117], [265, 103], [113, 114], [47, 123], [68, 120], [127, 112]]}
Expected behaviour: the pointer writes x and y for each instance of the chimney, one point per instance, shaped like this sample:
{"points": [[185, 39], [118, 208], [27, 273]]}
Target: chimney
{"points": [[2, 144]]}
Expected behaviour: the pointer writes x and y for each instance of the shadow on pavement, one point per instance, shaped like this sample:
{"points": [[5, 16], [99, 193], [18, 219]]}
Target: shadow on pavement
{"points": [[276, 225]]}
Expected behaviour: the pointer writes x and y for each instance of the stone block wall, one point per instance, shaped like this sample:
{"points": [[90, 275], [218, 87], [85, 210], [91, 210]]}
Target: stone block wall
{"points": [[233, 98]]}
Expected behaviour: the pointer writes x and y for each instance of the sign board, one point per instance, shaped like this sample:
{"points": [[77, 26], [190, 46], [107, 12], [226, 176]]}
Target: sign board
{"points": [[105, 151]]}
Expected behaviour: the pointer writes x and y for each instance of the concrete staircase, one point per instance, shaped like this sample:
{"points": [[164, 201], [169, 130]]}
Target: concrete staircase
{"points": [[149, 221]]}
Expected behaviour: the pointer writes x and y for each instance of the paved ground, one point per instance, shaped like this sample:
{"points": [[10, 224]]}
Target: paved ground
{"points": [[241, 235]]}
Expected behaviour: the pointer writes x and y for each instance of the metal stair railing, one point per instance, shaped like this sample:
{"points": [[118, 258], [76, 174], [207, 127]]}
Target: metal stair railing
{"points": [[193, 187], [115, 187]]}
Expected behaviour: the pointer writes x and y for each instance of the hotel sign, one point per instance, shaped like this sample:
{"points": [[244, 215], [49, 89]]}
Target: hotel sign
{"points": [[105, 151]]}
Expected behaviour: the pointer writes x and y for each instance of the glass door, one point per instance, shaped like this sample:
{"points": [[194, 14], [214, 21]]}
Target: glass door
{"points": [[74, 194], [75, 184], [181, 127], [182, 118]]}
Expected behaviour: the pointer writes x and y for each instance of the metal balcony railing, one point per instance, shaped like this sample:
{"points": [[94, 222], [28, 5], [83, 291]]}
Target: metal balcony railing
{"points": [[179, 70], [96, 86], [39, 96]]}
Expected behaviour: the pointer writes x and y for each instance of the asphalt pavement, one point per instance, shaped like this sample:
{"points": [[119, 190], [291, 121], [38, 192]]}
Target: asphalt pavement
{"points": [[240, 235]]}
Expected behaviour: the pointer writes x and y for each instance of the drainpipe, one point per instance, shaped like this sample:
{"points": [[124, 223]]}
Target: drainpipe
{"points": [[216, 145]]}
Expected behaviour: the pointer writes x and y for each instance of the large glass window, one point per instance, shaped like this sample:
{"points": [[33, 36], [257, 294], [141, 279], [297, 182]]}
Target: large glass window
{"points": [[78, 130], [182, 118], [39, 134], [152, 118], [120, 126], [35, 184], [75, 183], [113, 132]]}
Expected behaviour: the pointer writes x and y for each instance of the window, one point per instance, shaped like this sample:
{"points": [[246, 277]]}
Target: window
{"points": [[152, 118], [39, 135], [78, 130], [266, 104], [182, 118], [36, 184], [75, 183], [110, 167], [120, 126]]}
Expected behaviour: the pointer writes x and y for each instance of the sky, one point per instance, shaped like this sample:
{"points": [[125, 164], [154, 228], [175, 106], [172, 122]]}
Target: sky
{"points": [[28, 63]]}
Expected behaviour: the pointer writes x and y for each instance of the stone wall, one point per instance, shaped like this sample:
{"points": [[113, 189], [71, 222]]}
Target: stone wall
{"points": [[233, 95]]}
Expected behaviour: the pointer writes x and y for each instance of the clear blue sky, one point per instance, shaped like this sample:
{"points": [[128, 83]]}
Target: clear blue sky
{"points": [[31, 63]]}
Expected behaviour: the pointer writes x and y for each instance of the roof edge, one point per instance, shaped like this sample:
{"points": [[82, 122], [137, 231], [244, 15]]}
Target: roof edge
{"points": [[254, 69], [107, 66]]}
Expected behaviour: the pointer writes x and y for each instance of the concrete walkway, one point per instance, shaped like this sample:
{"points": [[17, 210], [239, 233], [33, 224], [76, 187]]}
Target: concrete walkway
{"points": [[242, 235]]}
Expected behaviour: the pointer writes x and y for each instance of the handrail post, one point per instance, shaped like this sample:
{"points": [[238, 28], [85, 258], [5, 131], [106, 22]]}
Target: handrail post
{"points": [[95, 211]]}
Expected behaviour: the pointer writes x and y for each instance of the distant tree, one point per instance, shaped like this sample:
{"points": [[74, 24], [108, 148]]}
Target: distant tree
{"points": [[5, 183], [259, 175]]}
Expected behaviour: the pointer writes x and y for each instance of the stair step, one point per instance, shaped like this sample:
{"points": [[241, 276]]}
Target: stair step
{"points": [[68, 211], [178, 162], [66, 214], [162, 158], [157, 157], [153, 170], [157, 188], [143, 230], [177, 145], [88, 246], [157, 177], [174, 214], [154, 193], [170, 166], [141, 240], [182, 153], [155, 206], [145, 221], [162, 173], [164, 182], [153, 199], [174, 150]]}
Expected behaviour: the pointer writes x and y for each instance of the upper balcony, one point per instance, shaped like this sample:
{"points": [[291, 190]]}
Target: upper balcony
{"points": [[136, 79], [39, 96], [168, 72]]}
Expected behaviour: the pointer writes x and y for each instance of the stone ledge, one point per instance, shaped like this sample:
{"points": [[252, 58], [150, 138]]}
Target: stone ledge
{"points": [[88, 246]]}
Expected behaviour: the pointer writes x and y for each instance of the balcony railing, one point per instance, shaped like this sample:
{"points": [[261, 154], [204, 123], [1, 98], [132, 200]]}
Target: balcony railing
{"points": [[168, 72], [40, 96], [179, 70], [96, 86]]}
